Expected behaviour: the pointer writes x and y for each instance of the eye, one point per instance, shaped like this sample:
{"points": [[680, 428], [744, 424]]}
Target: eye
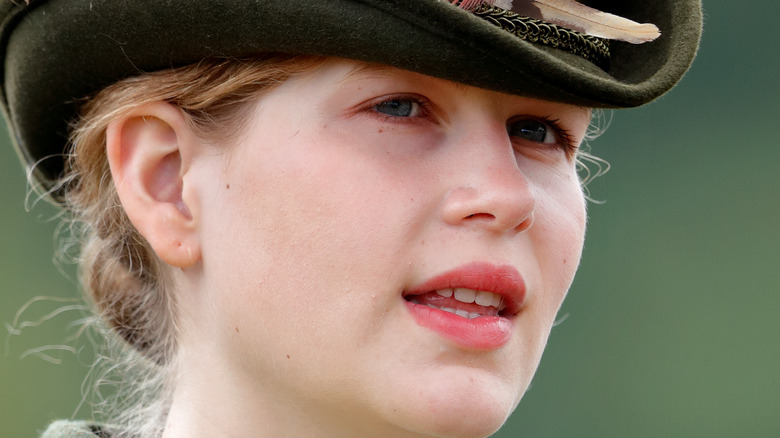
{"points": [[399, 107], [531, 130], [547, 132]]}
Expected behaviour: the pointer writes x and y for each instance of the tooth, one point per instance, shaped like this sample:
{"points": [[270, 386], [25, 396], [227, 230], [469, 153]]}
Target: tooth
{"points": [[444, 292], [462, 313], [448, 309], [497, 301], [465, 295], [484, 298]]}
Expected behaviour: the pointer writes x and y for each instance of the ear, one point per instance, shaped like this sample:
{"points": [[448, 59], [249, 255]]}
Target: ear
{"points": [[148, 152]]}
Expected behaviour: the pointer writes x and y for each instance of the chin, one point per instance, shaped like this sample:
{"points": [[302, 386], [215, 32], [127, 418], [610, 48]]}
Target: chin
{"points": [[473, 420], [463, 406]]}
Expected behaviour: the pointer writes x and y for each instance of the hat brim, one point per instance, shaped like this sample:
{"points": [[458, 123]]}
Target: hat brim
{"points": [[59, 52]]}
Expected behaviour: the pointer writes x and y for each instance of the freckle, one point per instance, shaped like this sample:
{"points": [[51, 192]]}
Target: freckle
{"points": [[227, 186], [236, 329], [288, 356], [422, 242], [381, 130]]}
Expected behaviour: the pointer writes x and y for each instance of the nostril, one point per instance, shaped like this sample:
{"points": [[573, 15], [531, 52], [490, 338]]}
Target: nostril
{"points": [[487, 216], [526, 224]]}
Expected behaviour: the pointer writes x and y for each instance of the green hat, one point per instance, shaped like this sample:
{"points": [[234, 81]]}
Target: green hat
{"points": [[56, 53]]}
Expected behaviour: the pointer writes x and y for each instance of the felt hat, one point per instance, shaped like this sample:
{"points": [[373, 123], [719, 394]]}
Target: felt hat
{"points": [[57, 53]]}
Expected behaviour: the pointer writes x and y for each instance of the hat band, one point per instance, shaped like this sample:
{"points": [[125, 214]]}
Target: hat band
{"points": [[593, 49]]}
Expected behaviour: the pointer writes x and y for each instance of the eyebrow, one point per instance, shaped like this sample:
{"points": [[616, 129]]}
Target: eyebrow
{"points": [[382, 70], [369, 68]]}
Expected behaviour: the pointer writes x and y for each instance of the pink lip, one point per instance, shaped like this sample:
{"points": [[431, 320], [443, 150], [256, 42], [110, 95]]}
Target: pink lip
{"points": [[484, 333]]}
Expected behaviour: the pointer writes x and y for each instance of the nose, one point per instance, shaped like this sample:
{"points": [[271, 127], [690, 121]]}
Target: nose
{"points": [[487, 188]]}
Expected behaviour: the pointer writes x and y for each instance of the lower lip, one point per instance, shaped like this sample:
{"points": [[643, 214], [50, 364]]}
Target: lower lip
{"points": [[483, 333]]}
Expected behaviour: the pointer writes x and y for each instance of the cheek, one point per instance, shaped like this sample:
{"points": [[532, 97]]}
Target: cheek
{"points": [[301, 221], [564, 227], [561, 211], [558, 234], [305, 254]]}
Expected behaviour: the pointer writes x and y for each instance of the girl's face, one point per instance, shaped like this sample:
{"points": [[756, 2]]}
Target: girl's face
{"points": [[346, 236]]}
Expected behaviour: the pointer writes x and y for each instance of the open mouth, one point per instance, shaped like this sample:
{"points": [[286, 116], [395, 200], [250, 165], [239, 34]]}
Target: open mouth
{"points": [[464, 302], [474, 305]]}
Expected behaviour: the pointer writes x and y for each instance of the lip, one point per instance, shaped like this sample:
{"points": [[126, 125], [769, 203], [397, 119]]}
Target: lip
{"points": [[483, 333]]}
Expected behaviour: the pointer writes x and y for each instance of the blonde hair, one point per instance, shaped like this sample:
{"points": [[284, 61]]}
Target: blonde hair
{"points": [[119, 271]]}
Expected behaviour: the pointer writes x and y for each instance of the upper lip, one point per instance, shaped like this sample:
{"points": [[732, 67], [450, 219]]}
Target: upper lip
{"points": [[503, 280]]}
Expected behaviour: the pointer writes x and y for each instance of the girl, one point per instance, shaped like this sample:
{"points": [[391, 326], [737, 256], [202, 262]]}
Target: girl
{"points": [[331, 219]]}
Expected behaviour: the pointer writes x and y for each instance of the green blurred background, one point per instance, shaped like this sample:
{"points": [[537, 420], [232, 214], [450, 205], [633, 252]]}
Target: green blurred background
{"points": [[671, 328]]}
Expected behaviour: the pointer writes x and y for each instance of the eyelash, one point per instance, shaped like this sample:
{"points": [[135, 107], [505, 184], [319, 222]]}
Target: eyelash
{"points": [[423, 104], [564, 139]]}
